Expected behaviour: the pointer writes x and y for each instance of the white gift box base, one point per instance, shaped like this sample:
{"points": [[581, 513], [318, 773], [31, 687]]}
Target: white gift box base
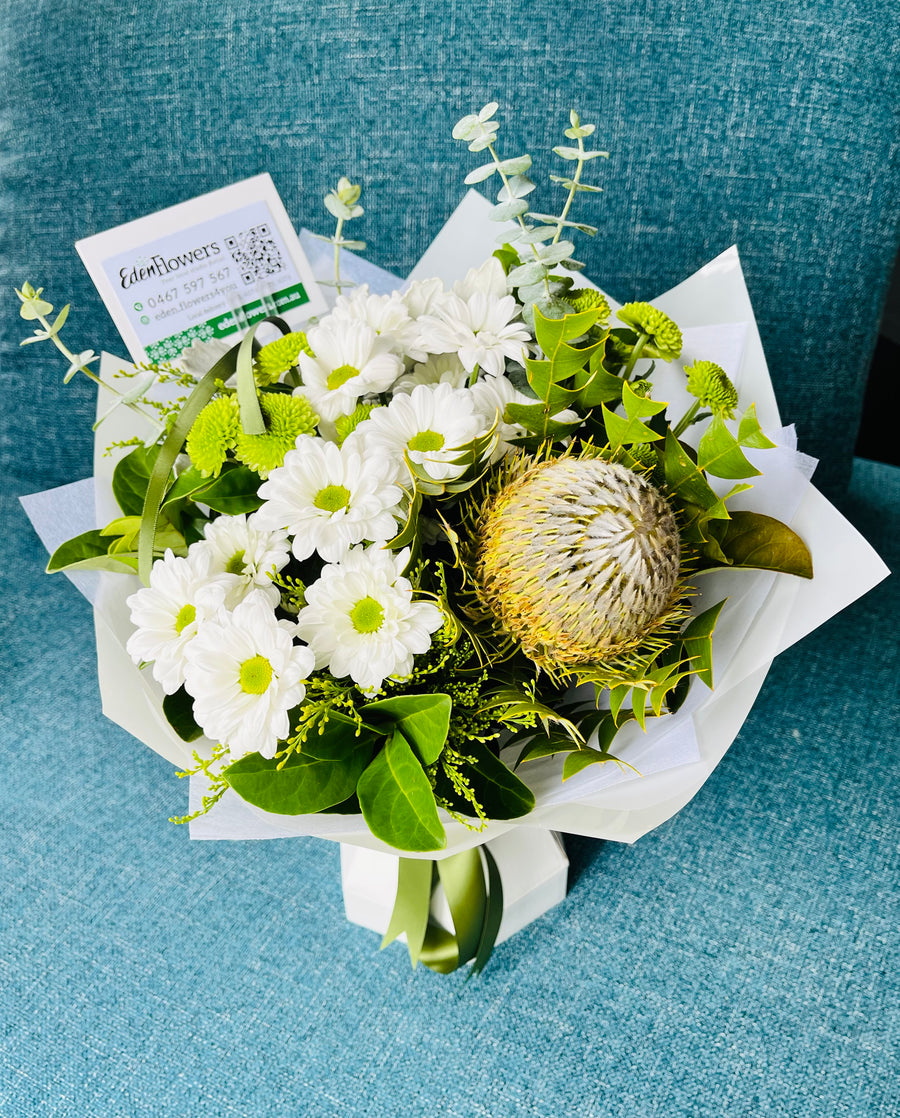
{"points": [[533, 867]]}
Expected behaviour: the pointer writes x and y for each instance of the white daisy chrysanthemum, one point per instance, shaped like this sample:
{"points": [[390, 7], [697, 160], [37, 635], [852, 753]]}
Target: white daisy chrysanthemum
{"points": [[245, 673], [329, 497], [491, 396], [429, 425], [487, 279], [246, 554], [442, 368], [481, 327], [167, 614], [422, 296], [350, 361], [361, 621], [387, 315]]}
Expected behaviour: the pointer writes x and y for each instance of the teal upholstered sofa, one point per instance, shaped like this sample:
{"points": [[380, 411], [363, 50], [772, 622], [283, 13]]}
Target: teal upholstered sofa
{"points": [[738, 961]]}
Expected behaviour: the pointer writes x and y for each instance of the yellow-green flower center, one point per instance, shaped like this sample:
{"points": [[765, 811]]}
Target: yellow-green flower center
{"points": [[426, 441], [235, 565], [186, 615], [367, 615], [340, 376], [256, 675], [332, 498]]}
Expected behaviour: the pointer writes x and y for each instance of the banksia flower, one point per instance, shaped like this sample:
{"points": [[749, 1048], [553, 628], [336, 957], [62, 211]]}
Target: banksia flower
{"points": [[664, 335], [579, 559], [710, 384]]}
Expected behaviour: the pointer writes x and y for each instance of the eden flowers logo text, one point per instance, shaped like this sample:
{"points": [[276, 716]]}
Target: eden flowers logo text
{"points": [[157, 265]]}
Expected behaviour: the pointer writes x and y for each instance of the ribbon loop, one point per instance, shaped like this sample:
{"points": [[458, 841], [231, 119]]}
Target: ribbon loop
{"points": [[475, 900]]}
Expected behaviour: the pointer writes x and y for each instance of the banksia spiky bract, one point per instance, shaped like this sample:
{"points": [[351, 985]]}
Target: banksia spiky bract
{"points": [[579, 559]]}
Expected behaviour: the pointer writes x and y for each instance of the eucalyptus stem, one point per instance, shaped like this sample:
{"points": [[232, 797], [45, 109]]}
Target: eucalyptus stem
{"points": [[337, 254], [519, 217], [573, 189], [635, 354], [72, 359]]}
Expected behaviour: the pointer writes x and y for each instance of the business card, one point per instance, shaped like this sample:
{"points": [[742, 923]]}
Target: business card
{"points": [[204, 269]]}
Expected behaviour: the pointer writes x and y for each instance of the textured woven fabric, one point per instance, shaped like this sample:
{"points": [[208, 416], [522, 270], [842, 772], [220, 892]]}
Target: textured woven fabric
{"points": [[768, 124], [739, 961]]}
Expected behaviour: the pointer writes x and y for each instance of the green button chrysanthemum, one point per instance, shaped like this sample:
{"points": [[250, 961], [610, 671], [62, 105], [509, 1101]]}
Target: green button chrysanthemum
{"points": [[664, 336], [345, 424], [286, 417], [710, 384], [214, 433], [274, 359], [589, 300]]}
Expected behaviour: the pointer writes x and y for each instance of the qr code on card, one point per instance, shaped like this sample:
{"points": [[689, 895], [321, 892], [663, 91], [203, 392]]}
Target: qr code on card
{"points": [[255, 252]]}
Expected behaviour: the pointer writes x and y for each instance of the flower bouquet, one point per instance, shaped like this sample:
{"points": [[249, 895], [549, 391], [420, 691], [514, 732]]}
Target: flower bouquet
{"points": [[463, 555]]}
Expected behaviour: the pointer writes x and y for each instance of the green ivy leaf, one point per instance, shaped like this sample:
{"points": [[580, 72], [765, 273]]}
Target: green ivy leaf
{"points": [[750, 539], [580, 759], [131, 478], [233, 492], [687, 481], [397, 800], [324, 773], [750, 433], [422, 719], [87, 552]]}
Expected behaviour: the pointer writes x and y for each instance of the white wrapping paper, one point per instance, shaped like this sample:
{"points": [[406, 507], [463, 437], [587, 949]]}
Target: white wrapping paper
{"points": [[765, 613]]}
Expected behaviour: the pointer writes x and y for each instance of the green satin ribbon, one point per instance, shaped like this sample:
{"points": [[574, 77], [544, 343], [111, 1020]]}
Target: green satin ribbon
{"points": [[475, 903]]}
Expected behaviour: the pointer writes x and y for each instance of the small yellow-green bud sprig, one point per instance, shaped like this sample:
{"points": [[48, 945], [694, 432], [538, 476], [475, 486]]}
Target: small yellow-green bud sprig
{"points": [[713, 390], [658, 336]]}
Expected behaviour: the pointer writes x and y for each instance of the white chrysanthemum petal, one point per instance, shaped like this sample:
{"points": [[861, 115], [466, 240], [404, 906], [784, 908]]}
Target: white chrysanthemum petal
{"points": [[246, 554], [329, 498], [487, 279], [361, 620], [443, 368], [482, 329], [245, 673], [422, 296], [350, 361], [429, 425], [387, 315], [183, 592]]}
